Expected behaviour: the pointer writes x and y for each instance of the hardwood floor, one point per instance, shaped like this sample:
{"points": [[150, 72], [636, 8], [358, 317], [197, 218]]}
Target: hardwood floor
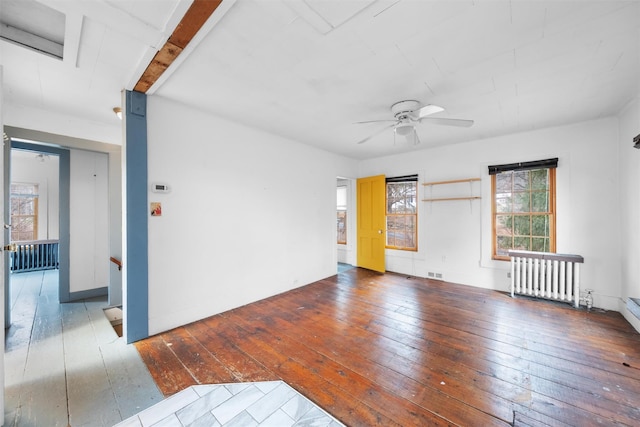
{"points": [[392, 350]]}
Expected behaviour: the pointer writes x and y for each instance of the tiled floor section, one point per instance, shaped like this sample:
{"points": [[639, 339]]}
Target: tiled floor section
{"points": [[270, 403]]}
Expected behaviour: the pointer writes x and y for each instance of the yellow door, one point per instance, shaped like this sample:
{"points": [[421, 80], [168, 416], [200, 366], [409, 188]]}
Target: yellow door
{"points": [[371, 195]]}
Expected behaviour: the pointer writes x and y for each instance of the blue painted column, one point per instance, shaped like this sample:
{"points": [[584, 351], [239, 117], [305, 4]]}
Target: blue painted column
{"points": [[136, 262]]}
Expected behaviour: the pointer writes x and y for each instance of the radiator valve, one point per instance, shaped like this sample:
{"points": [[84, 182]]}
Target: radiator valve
{"points": [[588, 298]]}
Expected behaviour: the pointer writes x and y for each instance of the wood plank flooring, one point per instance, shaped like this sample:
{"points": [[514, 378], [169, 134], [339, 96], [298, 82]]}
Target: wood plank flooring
{"points": [[64, 364], [392, 350]]}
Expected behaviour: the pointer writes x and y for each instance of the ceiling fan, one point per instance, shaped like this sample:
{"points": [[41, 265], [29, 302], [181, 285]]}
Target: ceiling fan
{"points": [[408, 114]]}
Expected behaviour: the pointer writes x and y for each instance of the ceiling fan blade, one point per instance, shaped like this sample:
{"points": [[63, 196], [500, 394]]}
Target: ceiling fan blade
{"points": [[375, 121], [428, 110], [448, 122], [377, 133]]}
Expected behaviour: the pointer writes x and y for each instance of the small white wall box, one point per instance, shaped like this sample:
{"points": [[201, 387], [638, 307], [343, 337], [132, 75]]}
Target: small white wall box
{"points": [[159, 187]]}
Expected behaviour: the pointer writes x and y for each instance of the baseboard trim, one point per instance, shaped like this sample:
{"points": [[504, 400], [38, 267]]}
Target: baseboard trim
{"points": [[89, 293]]}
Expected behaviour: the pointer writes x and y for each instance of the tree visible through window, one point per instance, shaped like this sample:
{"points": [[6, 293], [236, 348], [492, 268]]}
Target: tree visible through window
{"points": [[342, 215], [524, 211], [402, 213], [24, 212]]}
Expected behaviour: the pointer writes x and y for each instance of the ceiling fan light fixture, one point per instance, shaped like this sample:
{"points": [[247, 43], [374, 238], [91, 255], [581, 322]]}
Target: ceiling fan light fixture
{"points": [[404, 129], [408, 114]]}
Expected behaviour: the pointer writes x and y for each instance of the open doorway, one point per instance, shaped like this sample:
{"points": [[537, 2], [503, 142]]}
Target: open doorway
{"points": [[33, 195], [345, 223], [72, 205]]}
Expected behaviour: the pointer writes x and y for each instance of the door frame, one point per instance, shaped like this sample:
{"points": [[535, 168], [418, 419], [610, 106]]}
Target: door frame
{"points": [[64, 185], [6, 184]]}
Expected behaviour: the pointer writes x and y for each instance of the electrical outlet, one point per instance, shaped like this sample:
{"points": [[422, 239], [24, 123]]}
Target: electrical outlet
{"points": [[508, 275]]}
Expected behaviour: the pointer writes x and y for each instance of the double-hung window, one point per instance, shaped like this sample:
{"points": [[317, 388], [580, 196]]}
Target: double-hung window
{"points": [[24, 211], [402, 213], [524, 216]]}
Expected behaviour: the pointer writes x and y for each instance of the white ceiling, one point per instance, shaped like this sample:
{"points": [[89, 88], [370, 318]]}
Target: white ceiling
{"points": [[107, 44], [309, 69]]}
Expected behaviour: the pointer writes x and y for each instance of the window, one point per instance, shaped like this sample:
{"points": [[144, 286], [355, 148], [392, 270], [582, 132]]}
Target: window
{"points": [[523, 207], [24, 212], [342, 215], [402, 213]]}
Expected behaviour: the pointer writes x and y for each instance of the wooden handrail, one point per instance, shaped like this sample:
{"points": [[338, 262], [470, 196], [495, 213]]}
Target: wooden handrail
{"points": [[117, 262], [35, 242]]}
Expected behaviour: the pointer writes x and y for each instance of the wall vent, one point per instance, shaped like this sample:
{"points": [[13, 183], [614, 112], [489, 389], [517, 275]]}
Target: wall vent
{"points": [[433, 275]]}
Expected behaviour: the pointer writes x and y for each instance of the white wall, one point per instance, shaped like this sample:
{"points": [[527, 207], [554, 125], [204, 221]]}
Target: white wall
{"points": [[455, 237], [249, 214], [26, 168], [89, 216], [630, 207], [50, 121]]}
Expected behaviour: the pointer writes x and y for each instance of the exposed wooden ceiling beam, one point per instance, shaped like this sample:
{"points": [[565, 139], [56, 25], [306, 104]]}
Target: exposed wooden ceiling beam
{"points": [[190, 24]]}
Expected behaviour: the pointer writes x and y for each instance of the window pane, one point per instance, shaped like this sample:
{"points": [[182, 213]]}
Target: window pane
{"points": [[522, 243], [503, 203], [24, 189], [504, 225], [20, 224], [540, 201], [393, 201], [342, 227], [521, 202], [503, 182], [23, 228], [522, 225], [521, 180], [411, 203], [401, 231], [395, 228], [540, 225], [540, 245], [504, 243], [401, 197], [27, 208], [410, 232], [539, 179]]}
